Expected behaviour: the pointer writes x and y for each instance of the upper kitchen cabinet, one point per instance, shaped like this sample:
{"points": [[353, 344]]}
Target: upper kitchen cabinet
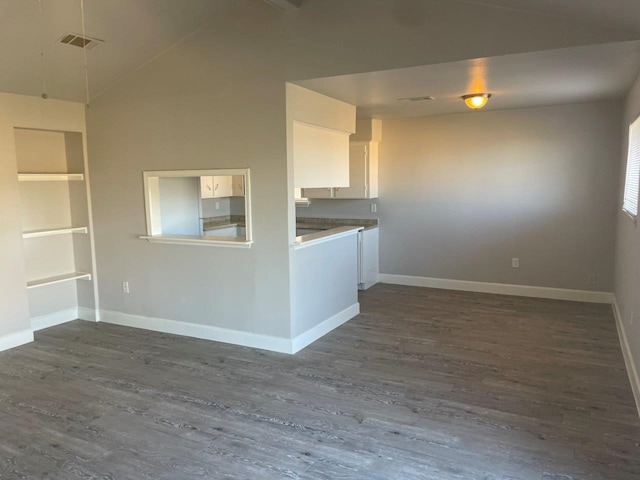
{"points": [[363, 165], [237, 186], [216, 186], [318, 130]]}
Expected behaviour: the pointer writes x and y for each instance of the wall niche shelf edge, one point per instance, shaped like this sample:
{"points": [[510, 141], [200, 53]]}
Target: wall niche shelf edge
{"points": [[67, 277], [54, 231], [50, 177]]}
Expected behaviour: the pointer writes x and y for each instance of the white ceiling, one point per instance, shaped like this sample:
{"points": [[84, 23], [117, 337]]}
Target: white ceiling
{"points": [[134, 31], [616, 14], [571, 75]]}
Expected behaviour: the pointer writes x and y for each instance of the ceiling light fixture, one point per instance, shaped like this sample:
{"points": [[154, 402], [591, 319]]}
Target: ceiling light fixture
{"points": [[475, 101]]}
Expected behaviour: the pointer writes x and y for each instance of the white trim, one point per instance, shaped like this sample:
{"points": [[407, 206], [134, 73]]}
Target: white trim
{"points": [[206, 332], [12, 340], [320, 330], [634, 379], [499, 288], [52, 319]]}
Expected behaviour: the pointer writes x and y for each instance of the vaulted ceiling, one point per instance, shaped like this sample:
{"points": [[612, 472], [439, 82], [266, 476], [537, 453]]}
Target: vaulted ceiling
{"points": [[33, 61]]}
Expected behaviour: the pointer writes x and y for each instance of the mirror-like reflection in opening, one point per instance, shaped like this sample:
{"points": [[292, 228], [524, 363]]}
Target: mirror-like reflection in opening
{"points": [[211, 204]]}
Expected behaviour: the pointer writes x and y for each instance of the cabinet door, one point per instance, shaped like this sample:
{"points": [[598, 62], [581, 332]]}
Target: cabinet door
{"points": [[358, 173], [321, 157], [237, 186], [222, 186], [206, 187], [317, 193]]}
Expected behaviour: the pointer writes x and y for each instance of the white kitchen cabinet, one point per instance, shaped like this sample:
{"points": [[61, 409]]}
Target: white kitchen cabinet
{"points": [[237, 186], [368, 264], [318, 130], [318, 193], [216, 186], [363, 175]]}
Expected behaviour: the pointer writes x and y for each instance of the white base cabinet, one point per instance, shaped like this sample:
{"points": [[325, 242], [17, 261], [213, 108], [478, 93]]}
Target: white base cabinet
{"points": [[368, 254]]}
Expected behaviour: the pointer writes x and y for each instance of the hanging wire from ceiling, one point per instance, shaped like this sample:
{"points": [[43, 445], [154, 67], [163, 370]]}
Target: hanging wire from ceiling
{"points": [[84, 52], [43, 77]]}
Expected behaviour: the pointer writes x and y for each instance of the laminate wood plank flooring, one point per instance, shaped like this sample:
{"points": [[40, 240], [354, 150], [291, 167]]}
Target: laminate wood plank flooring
{"points": [[423, 384]]}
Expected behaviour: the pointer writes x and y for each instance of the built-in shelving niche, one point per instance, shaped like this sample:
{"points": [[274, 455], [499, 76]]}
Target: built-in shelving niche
{"points": [[55, 224]]}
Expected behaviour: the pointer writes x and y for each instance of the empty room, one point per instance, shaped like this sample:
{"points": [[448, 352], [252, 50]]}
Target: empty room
{"points": [[319, 239]]}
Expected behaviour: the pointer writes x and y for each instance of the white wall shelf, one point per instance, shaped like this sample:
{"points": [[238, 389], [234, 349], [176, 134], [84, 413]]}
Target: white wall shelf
{"points": [[54, 231], [58, 279], [50, 177]]}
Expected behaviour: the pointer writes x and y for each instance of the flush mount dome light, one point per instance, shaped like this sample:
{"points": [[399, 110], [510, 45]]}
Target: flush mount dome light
{"points": [[475, 101]]}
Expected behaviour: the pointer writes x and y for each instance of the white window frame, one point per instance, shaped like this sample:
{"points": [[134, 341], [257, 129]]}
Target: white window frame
{"points": [[152, 200], [632, 172]]}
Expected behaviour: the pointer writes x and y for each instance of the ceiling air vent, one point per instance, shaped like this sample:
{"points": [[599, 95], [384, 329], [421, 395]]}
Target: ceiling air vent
{"points": [[416, 99], [80, 41]]}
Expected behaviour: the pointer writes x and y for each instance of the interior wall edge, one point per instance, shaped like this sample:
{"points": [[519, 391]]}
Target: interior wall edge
{"points": [[15, 339], [307, 338], [500, 288], [88, 314], [55, 318], [634, 379]]}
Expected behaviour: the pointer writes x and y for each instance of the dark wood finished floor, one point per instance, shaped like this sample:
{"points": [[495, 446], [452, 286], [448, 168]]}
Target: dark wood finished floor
{"points": [[424, 384]]}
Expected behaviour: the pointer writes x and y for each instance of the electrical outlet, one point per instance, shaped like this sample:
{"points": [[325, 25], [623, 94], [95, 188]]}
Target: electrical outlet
{"points": [[217, 205], [374, 208], [125, 287], [515, 262]]}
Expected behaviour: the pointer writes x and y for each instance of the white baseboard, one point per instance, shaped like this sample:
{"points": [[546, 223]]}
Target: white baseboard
{"points": [[206, 332], [320, 330], [628, 356], [52, 319], [12, 340], [500, 288]]}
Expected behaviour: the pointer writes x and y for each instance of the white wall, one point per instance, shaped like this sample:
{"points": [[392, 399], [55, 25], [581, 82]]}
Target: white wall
{"points": [[223, 203], [460, 195], [217, 100], [325, 282], [627, 259], [463, 194]]}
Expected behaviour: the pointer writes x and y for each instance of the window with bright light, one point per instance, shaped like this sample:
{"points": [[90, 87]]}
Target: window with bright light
{"points": [[632, 178]]}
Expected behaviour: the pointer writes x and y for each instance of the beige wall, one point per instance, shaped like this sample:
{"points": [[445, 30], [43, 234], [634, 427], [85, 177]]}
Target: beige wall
{"points": [[627, 261], [460, 195], [29, 112], [217, 100]]}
